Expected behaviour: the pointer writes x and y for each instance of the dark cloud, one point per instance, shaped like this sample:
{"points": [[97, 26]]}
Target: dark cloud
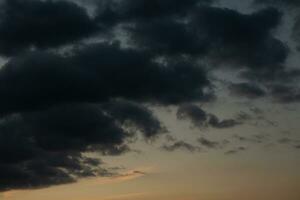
{"points": [[114, 12], [296, 31], [135, 115], [46, 108], [244, 39], [202, 119], [279, 2], [292, 5], [45, 147], [280, 75], [42, 24], [194, 113], [155, 36], [94, 74], [248, 90], [215, 122], [60, 128], [181, 145], [225, 35], [73, 127], [48, 169]]}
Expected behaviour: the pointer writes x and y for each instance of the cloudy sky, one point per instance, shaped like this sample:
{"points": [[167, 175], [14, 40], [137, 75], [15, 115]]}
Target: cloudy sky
{"points": [[149, 99]]}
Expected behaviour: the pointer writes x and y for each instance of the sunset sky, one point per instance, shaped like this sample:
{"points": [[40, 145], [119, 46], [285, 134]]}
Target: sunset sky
{"points": [[149, 99]]}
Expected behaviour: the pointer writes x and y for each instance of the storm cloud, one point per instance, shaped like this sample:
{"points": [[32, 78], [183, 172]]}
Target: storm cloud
{"points": [[114, 12], [39, 79], [45, 147], [42, 24], [222, 34]]}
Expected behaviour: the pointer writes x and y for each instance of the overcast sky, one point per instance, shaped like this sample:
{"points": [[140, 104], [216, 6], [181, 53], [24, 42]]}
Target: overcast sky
{"points": [[149, 99]]}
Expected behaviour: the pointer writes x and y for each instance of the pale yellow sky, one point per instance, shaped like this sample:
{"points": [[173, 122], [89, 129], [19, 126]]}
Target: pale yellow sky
{"points": [[183, 176], [262, 172]]}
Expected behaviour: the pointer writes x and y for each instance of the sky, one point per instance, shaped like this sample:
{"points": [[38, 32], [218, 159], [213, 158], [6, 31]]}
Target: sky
{"points": [[144, 100]]}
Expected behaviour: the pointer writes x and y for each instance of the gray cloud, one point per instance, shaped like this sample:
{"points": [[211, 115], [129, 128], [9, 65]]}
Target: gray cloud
{"points": [[247, 90], [285, 94], [181, 145], [201, 118], [208, 143], [235, 151]]}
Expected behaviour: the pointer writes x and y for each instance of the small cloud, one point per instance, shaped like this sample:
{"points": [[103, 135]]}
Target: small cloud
{"points": [[181, 145], [201, 118], [235, 151], [208, 143], [250, 139]]}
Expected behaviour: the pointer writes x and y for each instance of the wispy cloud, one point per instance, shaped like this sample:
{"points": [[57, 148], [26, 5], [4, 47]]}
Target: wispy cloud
{"points": [[125, 176]]}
